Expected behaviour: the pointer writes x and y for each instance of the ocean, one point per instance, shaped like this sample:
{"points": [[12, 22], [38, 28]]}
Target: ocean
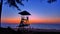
{"points": [[39, 26]]}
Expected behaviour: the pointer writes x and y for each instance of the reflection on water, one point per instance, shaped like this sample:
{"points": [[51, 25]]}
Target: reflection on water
{"points": [[39, 26]]}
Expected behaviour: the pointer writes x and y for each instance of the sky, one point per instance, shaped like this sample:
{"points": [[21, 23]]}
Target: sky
{"points": [[41, 12]]}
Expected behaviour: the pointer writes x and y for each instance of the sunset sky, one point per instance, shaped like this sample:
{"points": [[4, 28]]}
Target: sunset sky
{"points": [[41, 12]]}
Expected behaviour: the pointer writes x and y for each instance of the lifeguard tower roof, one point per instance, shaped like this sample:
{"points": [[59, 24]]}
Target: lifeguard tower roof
{"points": [[24, 13]]}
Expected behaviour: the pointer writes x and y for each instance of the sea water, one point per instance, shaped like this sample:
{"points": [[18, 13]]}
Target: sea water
{"points": [[39, 26]]}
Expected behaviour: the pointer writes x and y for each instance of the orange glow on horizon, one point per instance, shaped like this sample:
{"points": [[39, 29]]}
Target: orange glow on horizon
{"points": [[17, 20], [10, 20]]}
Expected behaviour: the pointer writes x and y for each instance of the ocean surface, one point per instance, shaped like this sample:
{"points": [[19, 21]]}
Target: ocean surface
{"points": [[39, 26]]}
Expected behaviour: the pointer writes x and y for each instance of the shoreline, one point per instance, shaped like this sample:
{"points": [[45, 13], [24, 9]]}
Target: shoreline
{"points": [[37, 30]]}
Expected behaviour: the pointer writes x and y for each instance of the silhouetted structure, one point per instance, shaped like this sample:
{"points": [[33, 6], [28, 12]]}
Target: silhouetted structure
{"points": [[24, 18]]}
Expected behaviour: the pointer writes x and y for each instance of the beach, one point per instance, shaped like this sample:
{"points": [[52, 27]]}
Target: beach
{"points": [[25, 30]]}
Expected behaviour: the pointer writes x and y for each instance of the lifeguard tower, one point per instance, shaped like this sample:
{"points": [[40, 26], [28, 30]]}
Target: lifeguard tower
{"points": [[24, 18]]}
